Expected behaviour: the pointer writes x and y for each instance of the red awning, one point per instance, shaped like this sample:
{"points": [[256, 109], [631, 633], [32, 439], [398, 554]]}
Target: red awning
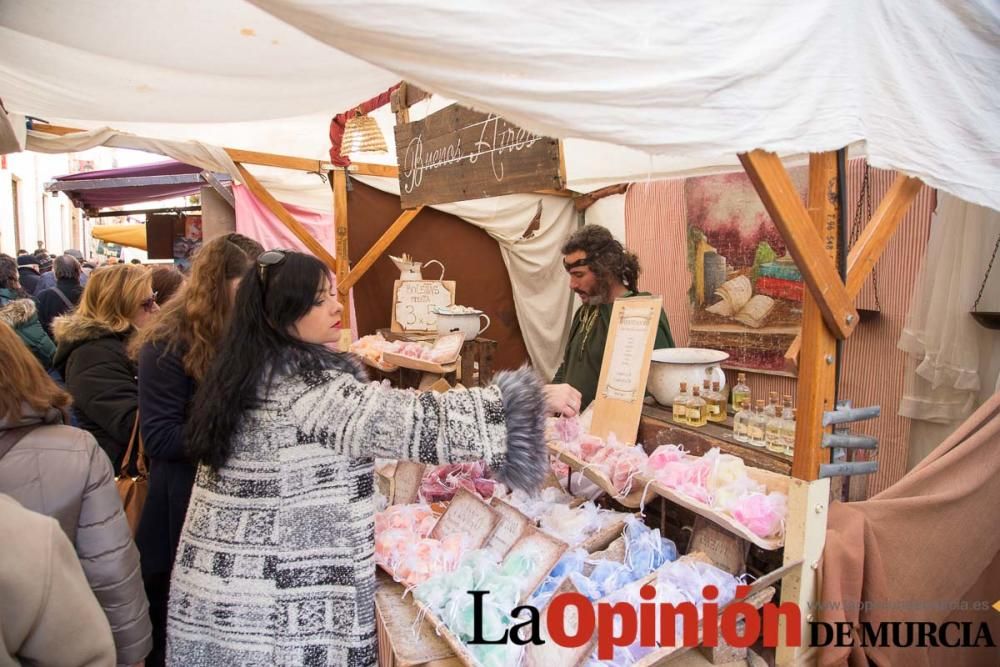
{"points": [[130, 185]]}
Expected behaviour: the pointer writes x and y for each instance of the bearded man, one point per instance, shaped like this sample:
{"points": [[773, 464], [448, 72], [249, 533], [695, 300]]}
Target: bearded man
{"points": [[600, 271]]}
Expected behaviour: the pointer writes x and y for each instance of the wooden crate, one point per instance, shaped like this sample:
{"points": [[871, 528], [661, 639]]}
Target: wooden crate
{"points": [[402, 642]]}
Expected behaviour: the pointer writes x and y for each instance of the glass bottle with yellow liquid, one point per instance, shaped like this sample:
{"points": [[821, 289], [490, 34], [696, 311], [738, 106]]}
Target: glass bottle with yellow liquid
{"points": [[716, 404], [788, 432], [696, 409], [679, 406], [758, 422], [740, 392]]}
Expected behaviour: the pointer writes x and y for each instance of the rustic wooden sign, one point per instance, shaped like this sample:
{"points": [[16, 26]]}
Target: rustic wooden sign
{"points": [[625, 368], [512, 525], [469, 515], [406, 482], [414, 301], [726, 551], [457, 154]]}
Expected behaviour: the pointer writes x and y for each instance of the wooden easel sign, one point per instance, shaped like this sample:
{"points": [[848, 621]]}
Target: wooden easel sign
{"points": [[414, 301], [625, 368]]}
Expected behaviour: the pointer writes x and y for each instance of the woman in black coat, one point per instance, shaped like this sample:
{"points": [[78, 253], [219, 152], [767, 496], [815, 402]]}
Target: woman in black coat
{"points": [[91, 353], [173, 356]]}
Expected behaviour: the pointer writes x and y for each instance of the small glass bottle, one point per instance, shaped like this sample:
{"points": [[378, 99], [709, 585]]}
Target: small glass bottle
{"points": [[741, 422], [680, 404], [696, 409], [788, 434], [716, 403], [772, 409], [758, 422], [741, 392], [772, 435]]}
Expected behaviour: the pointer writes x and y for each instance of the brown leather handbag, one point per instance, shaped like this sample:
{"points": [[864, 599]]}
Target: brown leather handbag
{"points": [[133, 490]]}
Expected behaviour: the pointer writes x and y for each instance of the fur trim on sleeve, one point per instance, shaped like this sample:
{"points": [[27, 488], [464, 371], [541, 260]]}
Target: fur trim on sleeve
{"points": [[527, 460]]}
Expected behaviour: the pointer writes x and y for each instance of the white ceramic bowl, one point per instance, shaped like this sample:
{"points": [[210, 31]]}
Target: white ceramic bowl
{"points": [[671, 366], [468, 322]]}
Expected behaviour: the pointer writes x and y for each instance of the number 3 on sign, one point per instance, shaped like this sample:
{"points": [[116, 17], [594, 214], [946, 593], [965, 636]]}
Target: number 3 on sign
{"points": [[411, 318]]}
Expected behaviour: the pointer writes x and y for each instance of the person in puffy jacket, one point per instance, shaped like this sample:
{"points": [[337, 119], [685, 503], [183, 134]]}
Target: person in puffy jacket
{"points": [[19, 311], [91, 353], [59, 471]]}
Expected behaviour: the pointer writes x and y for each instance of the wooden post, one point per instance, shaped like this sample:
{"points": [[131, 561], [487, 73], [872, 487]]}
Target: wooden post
{"points": [[284, 216], [379, 247], [776, 190], [805, 535], [338, 178], [818, 356]]}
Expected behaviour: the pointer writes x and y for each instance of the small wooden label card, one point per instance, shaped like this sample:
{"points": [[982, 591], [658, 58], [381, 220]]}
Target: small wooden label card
{"points": [[406, 482], [414, 301], [725, 550], [622, 385], [543, 549], [512, 525], [467, 514]]}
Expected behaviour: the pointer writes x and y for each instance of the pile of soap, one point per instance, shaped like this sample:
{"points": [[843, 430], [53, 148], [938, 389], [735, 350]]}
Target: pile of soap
{"points": [[620, 463], [575, 525], [537, 506], [440, 483], [677, 582], [447, 596], [645, 551], [403, 546], [371, 348], [720, 481]]}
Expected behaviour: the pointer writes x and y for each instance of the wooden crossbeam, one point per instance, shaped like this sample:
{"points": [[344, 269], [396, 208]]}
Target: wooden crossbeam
{"points": [[366, 169], [280, 212], [782, 202], [379, 247], [818, 356], [876, 234]]}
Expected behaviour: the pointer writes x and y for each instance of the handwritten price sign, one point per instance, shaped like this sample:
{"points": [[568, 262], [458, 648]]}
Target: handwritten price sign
{"points": [[414, 301]]}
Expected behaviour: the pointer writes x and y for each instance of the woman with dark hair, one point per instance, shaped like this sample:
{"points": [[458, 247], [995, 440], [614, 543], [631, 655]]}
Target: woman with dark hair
{"points": [[167, 280], [276, 560], [18, 310], [173, 355]]}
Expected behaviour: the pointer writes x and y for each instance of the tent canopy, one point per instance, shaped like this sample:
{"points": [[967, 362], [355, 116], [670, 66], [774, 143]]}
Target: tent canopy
{"points": [[133, 235], [690, 83], [120, 192]]}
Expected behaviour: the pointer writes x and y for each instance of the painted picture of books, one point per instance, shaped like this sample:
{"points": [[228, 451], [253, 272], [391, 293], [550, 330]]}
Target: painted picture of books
{"points": [[746, 292]]}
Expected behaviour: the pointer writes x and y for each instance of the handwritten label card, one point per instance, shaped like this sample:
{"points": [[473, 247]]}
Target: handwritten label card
{"points": [[406, 482], [414, 301], [543, 550], [467, 514], [512, 525], [625, 367]]}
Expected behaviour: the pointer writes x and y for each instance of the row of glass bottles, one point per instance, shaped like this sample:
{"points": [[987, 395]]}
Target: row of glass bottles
{"points": [[701, 406], [767, 427]]}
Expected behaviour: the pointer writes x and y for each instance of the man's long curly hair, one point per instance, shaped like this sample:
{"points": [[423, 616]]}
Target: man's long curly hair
{"points": [[606, 257], [193, 321]]}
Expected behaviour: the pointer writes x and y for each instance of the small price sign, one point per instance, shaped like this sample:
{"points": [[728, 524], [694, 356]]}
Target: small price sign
{"points": [[414, 301]]}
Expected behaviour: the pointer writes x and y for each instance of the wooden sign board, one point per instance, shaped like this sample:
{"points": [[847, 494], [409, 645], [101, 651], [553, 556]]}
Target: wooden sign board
{"points": [[625, 368], [414, 301], [512, 525], [725, 550], [467, 514], [406, 482], [457, 154]]}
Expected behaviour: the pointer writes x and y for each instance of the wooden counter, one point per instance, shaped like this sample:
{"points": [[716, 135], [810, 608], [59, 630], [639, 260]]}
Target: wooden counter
{"points": [[656, 427]]}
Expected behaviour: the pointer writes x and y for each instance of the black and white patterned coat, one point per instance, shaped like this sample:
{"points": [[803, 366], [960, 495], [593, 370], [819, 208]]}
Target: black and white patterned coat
{"points": [[276, 560]]}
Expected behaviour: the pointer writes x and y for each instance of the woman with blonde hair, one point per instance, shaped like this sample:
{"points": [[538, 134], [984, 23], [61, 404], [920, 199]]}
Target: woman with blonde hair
{"points": [[58, 471], [91, 352], [173, 356]]}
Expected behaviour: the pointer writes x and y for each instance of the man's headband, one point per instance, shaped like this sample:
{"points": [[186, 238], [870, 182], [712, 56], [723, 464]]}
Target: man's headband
{"points": [[575, 265]]}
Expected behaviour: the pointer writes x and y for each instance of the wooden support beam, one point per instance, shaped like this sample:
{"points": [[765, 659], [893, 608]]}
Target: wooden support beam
{"points": [[366, 169], [818, 356], [583, 202], [237, 155], [876, 234], [406, 96], [379, 247], [287, 218], [782, 202], [225, 190], [338, 180]]}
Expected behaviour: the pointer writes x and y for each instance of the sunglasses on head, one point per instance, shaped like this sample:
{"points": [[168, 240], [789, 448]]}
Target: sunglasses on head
{"points": [[149, 304], [268, 259]]}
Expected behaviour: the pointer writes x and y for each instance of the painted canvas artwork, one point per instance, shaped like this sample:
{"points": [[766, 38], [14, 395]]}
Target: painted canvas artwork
{"points": [[746, 292]]}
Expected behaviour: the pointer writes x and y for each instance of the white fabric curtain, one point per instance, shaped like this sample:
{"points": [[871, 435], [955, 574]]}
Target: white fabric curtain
{"points": [[916, 79], [945, 378]]}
